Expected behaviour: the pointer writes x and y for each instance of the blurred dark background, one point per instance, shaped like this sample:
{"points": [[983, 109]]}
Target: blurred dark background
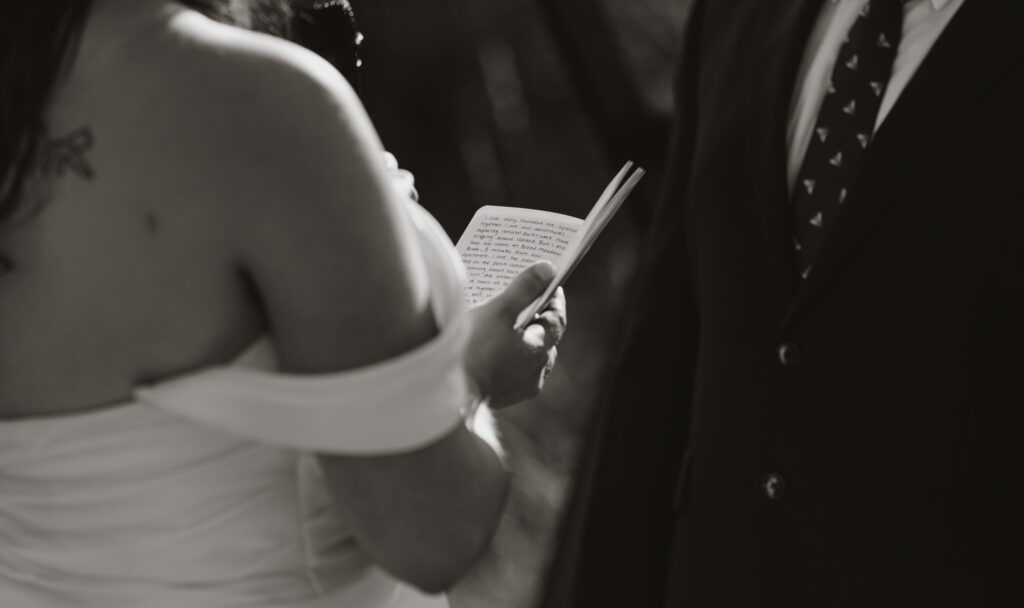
{"points": [[532, 103]]}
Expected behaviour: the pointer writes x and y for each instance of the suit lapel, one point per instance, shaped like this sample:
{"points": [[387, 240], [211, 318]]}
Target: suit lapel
{"points": [[785, 28], [977, 48]]}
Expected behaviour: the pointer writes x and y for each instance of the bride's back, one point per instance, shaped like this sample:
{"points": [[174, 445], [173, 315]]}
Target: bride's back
{"points": [[128, 271], [199, 186]]}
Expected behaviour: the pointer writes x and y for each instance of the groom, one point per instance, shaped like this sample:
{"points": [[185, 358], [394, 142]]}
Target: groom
{"points": [[823, 405]]}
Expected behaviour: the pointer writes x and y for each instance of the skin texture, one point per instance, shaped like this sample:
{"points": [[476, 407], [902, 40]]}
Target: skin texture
{"points": [[231, 186]]}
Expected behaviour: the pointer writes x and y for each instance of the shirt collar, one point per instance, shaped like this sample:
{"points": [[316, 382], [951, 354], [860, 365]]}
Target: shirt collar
{"points": [[938, 5]]}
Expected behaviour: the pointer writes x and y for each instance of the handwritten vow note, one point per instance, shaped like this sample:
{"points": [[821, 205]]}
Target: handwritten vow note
{"points": [[501, 241]]}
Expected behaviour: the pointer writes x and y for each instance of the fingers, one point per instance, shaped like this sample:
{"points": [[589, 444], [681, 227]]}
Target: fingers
{"points": [[541, 372], [550, 364], [526, 287], [555, 314], [511, 366], [545, 370], [550, 322]]}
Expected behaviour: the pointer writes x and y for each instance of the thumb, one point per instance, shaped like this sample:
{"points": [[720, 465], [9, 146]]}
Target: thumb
{"points": [[527, 287]]}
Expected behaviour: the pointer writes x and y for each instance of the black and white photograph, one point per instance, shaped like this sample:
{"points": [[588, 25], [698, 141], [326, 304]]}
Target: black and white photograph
{"points": [[511, 303]]}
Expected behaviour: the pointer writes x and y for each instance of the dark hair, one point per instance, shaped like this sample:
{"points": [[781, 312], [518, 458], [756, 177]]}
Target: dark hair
{"points": [[37, 42], [267, 16]]}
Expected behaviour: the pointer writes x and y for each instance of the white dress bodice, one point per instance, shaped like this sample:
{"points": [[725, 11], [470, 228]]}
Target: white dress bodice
{"points": [[202, 491]]}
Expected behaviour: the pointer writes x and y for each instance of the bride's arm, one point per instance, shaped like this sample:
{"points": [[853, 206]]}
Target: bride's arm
{"points": [[326, 243]]}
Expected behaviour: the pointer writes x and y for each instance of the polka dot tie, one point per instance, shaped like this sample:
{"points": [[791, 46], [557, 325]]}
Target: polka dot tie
{"points": [[845, 125]]}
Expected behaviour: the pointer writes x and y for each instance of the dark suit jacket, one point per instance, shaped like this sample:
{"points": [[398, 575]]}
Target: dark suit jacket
{"points": [[895, 419]]}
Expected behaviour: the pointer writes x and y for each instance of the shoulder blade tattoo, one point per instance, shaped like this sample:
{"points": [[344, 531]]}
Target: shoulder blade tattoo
{"points": [[68, 153]]}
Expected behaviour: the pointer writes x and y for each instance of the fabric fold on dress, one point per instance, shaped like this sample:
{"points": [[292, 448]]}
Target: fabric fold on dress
{"points": [[396, 405], [202, 490]]}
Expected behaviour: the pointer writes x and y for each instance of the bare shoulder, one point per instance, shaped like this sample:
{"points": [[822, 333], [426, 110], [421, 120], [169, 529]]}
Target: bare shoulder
{"points": [[241, 130], [241, 122], [235, 99], [251, 73], [276, 148]]}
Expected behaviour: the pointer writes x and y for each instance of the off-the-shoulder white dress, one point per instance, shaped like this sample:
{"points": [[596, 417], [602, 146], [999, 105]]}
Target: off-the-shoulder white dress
{"points": [[201, 491]]}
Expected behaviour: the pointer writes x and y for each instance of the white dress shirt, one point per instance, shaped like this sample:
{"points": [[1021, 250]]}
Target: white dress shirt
{"points": [[923, 22]]}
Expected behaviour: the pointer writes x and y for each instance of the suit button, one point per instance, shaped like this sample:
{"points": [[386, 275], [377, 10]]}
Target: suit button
{"points": [[773, 486], [789, 353]]}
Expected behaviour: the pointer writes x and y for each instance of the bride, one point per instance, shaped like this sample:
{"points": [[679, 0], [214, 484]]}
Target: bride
{"points": [[235, 366]]}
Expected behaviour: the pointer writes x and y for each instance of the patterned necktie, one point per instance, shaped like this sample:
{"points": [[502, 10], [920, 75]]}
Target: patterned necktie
{"points": [[845, 125]]}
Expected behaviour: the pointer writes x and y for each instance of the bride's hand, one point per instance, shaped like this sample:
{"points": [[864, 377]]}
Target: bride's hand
{"points": [[510, 366]]}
